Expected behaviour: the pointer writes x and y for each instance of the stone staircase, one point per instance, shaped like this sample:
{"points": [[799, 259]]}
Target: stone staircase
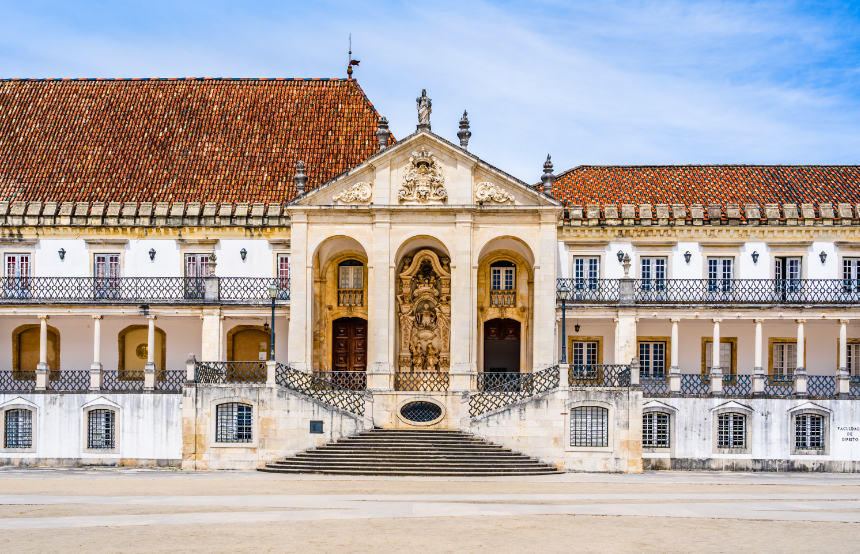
{"points": [[411, 452]]}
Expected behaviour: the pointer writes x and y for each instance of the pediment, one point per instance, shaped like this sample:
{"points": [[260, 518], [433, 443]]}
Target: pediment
{"points": [[425, 170]]}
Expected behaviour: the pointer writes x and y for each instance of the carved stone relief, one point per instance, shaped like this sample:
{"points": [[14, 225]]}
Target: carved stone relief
{"points": [[491, 192], [424, 311], [359, 193], [423, 180]]}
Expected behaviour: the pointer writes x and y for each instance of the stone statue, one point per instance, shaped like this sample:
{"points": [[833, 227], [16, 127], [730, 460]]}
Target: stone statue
{"points": [[424, 109], [432, 358], [417, 357]]}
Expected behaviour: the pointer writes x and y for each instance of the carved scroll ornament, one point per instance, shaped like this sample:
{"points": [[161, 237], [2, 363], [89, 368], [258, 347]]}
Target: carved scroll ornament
{"points": [[491, 192], [359, 193]]}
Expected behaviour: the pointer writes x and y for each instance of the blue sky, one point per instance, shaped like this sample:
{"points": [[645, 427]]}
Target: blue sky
{"points": [[589, 82]]}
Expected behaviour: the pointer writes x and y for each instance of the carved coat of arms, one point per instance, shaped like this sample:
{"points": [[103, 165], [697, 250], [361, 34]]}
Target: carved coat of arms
{"points": [[422, 179]]}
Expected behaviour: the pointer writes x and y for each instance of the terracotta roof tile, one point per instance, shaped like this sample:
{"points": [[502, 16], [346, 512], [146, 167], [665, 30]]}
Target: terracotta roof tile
{"points": [[709, 184], [196, 139]]}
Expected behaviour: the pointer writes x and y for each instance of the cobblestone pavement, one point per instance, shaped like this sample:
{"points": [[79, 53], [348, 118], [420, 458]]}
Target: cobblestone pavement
{"points": [[131, 510]]}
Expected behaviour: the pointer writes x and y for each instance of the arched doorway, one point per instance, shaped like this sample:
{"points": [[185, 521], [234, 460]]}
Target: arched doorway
{"points": [[247, 343], [132, 343], [25, 350], [349, 344], [501, 346]]}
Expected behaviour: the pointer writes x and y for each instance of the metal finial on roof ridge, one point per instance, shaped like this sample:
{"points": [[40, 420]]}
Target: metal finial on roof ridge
{"points": [[383, 133], [300, 179], [464, 133], [547, 178]]}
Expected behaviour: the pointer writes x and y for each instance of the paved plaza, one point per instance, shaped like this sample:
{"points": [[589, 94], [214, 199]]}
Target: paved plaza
{"points": [[148, 510]]}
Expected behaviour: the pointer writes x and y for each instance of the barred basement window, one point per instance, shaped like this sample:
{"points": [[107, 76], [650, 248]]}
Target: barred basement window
{"points": [[233, 423], [808, 432], [731, 430], [18, 429], [101, 433], [589, 426], [655, 430]]}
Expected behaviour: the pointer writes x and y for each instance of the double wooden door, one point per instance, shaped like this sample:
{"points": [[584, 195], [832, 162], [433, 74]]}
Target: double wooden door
{"points": [[349, 344]]}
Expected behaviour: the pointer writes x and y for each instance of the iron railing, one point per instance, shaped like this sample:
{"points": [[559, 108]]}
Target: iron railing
{"points": [[599, 375], [69, 380], [230, 372], [499, 381], [320, 389], [170, 380], [136, 290], [17, 381], [821, 386], [123, 380], [508, 392], [430, 381], [350, 380], [712, 291], [654, 385]]}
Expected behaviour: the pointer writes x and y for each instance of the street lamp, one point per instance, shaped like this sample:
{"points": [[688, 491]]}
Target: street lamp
{"points": [[563, 289], [273, 294]]}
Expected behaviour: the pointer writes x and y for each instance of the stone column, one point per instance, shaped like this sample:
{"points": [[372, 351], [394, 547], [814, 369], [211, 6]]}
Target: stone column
{"points": [[675, 369], [716, 369], [42, 369], [300, 336], [625, 338], [149, 368], [380, 303], [96, 366], [800, 379], [758, 368], [544, 351], [463, 367], [210, 348]]}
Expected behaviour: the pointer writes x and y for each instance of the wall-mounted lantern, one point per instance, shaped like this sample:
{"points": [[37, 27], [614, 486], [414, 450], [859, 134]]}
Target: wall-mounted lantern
{"points": [[823, 256], [620, 256], [576, 327], [755, 256], [243, 254], [62, 253], [687, 256], [151, 254]]}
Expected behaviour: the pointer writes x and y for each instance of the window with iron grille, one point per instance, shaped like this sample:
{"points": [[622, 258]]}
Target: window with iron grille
{"points": [[101, 430], [589, 426], [233, 423], [18, 429], [652, 358], [585, 272], [655, 430], [731, 430], [808, 432]]}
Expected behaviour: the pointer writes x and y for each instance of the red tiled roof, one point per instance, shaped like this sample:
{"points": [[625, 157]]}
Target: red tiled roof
{"points": [[215, 140], [708, 184]]}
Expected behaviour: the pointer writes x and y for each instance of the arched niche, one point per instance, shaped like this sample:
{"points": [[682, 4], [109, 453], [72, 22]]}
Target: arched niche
{"points": [[132, 345], [25, 349], [248, 343]]}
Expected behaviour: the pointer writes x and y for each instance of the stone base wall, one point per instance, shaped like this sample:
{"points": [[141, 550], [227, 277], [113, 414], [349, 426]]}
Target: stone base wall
{"points": [[281, 426], [148, 429], [711, 464], [540, 427]]}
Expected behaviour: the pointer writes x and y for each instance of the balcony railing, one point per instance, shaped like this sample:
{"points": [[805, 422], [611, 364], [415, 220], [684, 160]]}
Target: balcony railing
{"points": [[710, 291], [142, 290], [503, 298], [350, 297]]}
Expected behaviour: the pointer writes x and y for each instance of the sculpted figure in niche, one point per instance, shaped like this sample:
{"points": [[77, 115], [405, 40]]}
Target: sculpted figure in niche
{"points": [[417, 357], [432, 358]]}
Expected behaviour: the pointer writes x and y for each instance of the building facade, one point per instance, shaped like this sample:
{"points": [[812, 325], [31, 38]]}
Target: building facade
{"points": [[218, 273]]}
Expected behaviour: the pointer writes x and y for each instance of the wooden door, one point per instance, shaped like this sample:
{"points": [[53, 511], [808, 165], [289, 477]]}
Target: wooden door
{"points": [[349, 344]]}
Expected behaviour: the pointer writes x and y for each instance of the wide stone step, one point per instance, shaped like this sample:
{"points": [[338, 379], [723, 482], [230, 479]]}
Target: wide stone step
{"points": [[416, 473], [397, 456], [423, 463]]}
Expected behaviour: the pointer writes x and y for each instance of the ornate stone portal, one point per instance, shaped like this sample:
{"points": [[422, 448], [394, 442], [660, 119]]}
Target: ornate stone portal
{"points": [[422, 179], [424, 308]]}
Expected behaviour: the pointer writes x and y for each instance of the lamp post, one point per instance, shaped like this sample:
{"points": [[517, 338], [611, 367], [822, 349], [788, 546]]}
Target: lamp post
{"points": [[563, 289], [273, 295]]}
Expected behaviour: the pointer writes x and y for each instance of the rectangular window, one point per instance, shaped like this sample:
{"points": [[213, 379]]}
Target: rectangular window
{"points": [[853, 358], [107, 274], [589, 426], [17, 282], [731, 430], [851, 274], [584, 352], [655, 430], [787, 274], [18, 429], [727, 357], [196, 269], [350, 277], [652, 358], [721, 271], [585, 272], [784, 355], [808, 432], [283, 276], [502, 278], [233, 423], [653, 273], [101, 433]]}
